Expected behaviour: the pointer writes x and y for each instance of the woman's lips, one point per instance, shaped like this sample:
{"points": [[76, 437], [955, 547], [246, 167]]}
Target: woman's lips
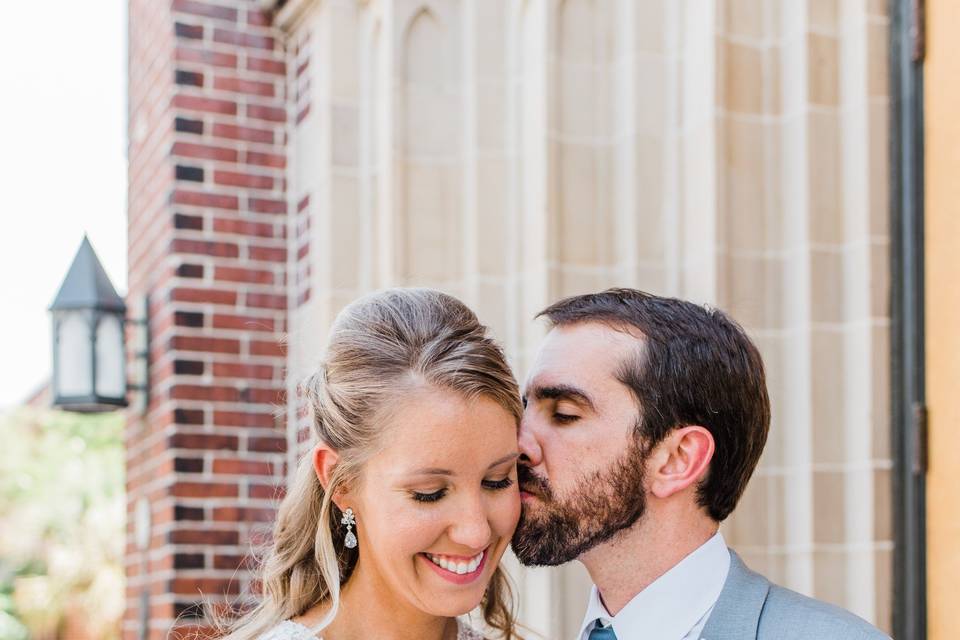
{"points": [[457, 578]]}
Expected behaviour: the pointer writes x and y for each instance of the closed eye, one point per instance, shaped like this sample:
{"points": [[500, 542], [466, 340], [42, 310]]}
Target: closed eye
{"points": [[429, 497], [497, 485], [492, 485], [565, 418]]}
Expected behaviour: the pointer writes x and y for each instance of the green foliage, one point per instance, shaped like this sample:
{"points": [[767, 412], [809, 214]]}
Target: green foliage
{"points": [[61, 524]]}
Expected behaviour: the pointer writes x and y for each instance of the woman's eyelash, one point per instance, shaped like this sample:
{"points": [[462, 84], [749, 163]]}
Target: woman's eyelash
{"points": [[497, 484], [564, 418], [429, 497]]}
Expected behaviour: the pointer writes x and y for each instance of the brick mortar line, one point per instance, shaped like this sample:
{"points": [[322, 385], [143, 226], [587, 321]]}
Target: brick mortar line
{"points": [[158, 436]]}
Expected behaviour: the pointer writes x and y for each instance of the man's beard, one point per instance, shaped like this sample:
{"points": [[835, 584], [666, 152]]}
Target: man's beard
{"points": [[554, 531]]}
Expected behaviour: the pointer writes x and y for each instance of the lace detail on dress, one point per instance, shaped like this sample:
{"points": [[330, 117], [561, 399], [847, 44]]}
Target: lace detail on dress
{"points": [[466, 632], [293, 631], [288, 630]]}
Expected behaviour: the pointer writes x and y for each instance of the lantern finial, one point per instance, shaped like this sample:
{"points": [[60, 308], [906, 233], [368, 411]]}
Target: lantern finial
{"points": [[87, 285]]}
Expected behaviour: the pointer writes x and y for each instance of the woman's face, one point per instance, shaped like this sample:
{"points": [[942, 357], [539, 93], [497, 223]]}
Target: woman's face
{"points": [[437, 505]]}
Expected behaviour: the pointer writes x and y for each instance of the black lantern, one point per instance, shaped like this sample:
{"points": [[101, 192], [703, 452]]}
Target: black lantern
{"points": [[89, 373]]}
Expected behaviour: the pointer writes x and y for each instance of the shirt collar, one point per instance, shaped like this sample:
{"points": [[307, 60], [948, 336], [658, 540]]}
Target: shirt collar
{"points": [[673, 603]]}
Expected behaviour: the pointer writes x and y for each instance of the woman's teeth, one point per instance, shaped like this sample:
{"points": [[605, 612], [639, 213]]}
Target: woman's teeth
{"points": [[458, 566]]}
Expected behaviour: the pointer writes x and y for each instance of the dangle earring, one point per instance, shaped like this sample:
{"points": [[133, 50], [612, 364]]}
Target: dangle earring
{"points": [[348, 519]]}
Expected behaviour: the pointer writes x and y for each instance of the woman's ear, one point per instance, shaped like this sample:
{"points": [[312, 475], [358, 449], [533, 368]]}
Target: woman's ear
{"points": [[324, 460]]}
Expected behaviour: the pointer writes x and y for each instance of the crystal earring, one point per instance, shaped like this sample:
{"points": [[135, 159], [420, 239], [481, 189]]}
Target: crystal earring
{"points": [[348, 519]]}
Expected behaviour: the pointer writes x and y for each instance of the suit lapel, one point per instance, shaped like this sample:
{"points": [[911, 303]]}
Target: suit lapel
{"points": [[737, 612]]}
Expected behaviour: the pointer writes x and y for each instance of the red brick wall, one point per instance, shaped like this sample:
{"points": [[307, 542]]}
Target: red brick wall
{"points": [[207, 244]]}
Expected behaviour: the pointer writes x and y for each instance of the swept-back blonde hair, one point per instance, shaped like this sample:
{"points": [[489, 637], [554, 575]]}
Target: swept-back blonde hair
{"points": [[380, 347]]}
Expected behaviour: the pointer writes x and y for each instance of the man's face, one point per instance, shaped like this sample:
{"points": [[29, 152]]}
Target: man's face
{"points": [[582, 466]]}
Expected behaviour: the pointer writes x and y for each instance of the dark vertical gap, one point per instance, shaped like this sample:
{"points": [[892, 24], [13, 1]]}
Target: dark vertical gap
{"points": [[94, 319], [907, 339]]}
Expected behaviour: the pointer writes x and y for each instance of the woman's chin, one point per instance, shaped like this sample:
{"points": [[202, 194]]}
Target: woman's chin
{"points": [[453, 593], [452, 609]]}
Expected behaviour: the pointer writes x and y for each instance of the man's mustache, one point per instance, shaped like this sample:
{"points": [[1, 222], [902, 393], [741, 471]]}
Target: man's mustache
{"points": [[532, 483]]}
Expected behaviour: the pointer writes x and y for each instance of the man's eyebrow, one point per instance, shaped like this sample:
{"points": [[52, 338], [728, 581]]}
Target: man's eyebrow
{"points": [[436, 471], [561, 392]]}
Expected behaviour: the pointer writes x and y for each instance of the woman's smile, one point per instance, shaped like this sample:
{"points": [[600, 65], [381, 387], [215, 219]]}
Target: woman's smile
{"points": [[457, 569]]}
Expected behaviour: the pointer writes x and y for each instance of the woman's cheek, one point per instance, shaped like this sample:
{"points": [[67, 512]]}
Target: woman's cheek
{"points": [[506, 512], [421, 528]]}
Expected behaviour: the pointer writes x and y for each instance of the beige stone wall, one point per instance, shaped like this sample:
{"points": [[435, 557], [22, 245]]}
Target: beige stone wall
{"points": [[804, 256], [732, 152]]}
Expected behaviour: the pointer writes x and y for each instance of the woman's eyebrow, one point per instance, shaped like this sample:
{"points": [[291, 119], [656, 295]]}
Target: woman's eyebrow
{"points": [[507, 458], [431, 471], [436, 471]]}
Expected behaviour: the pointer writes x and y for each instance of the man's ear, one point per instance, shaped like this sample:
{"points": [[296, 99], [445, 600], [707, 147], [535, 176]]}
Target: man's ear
{"points": [[324, 460], [682, 459]]}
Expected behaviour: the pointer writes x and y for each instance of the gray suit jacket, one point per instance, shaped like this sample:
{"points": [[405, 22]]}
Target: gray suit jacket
{"points": [[750, 607]]}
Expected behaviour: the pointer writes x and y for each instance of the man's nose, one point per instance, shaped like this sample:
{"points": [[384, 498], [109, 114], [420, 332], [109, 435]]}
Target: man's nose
{"points": [[472, 527], [530, 452]]}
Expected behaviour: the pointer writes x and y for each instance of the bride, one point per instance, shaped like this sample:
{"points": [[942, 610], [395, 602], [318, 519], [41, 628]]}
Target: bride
{"points": [[396, 523]]}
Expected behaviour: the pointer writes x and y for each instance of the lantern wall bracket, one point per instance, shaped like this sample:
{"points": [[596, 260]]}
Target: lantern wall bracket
{"points": [[138, 382]]}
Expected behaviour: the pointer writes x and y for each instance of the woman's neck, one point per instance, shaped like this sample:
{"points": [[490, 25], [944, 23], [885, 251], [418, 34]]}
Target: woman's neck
{"points": [[368, 609]]}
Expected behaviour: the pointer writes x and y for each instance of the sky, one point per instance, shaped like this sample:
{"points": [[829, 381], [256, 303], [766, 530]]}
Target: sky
{"points": [[62, 167]]}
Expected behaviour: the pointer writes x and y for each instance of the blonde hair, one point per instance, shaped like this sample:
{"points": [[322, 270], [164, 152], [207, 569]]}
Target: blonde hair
{"points": [[379, 347]]}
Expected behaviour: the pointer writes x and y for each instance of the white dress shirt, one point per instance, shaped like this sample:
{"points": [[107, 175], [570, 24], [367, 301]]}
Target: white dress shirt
{"points": [[675, 606]]}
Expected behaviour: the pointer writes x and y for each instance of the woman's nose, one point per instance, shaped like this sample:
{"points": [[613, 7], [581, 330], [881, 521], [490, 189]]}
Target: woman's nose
{"points": [[472, 526]]}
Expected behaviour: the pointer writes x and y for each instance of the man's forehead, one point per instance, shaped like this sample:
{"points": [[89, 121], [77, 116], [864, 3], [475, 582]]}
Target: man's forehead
{"points": [[579, 354], [596, 339]]}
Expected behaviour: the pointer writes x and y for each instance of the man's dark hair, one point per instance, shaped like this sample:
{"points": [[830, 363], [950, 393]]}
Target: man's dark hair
{"points": [[694, 366]]}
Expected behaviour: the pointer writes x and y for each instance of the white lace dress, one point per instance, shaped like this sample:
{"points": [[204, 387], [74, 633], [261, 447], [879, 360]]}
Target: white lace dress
{"points": [[292, 631]]}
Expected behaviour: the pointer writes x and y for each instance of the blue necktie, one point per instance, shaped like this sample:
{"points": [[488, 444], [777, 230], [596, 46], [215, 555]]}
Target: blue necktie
{"points": [[602, 633]]}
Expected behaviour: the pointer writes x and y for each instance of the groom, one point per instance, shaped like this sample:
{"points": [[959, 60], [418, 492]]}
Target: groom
{"points": [[644, 419]]}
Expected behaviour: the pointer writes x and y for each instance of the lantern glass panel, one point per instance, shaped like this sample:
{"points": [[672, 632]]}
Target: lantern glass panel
{"points": [[110, 375], [74, 355]]}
